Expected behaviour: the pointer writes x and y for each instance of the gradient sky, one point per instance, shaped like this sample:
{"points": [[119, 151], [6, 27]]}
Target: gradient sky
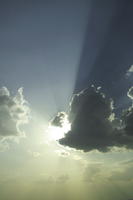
{"points": [[41, 43], [53, 49]]}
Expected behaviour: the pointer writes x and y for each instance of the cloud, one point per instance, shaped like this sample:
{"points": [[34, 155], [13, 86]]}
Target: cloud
{"points": [[122, 171], [58, 119], [130, 71], [34, 154], [92, 172], [4, 146], [124, 174], [62, 153], [130, 93], [94, 125], [46, 179], [128, 116], [14, 112]]}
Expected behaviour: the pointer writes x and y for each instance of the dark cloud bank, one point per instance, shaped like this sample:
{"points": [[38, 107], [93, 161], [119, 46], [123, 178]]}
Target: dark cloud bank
{"points": [[94, 124]]}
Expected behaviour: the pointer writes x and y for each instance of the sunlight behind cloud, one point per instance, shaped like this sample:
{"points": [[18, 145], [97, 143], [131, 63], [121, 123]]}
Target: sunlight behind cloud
{"points": [[56, 133]]}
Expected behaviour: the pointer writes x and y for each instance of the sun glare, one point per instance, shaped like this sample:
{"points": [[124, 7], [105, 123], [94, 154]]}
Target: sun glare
{"points": [[56, 133]]}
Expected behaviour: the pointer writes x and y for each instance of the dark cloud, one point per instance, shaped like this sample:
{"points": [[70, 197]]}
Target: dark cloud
{"points": [[93, 123], [58, 119]]}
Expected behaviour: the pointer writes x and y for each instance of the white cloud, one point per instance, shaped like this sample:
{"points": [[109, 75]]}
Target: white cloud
{"points": [[34, 154], [14, 112], [130, 93], [130, 71]]}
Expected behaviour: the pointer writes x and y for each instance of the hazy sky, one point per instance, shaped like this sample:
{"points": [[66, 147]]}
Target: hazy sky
{"points": [[50, 50]]}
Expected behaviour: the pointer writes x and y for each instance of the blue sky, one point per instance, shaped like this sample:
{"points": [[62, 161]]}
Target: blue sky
{"points": [[41, 43]]}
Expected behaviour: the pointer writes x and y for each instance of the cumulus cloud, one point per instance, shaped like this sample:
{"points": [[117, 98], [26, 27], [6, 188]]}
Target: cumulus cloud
{"points": [[14, 112], [58, 119], [94, 125]]}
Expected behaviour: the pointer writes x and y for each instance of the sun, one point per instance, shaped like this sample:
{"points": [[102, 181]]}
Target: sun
{"points": [[56, 133]]}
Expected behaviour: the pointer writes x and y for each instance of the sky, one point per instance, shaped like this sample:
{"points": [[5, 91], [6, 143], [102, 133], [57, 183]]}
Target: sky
{"points": [[66, 99]]}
